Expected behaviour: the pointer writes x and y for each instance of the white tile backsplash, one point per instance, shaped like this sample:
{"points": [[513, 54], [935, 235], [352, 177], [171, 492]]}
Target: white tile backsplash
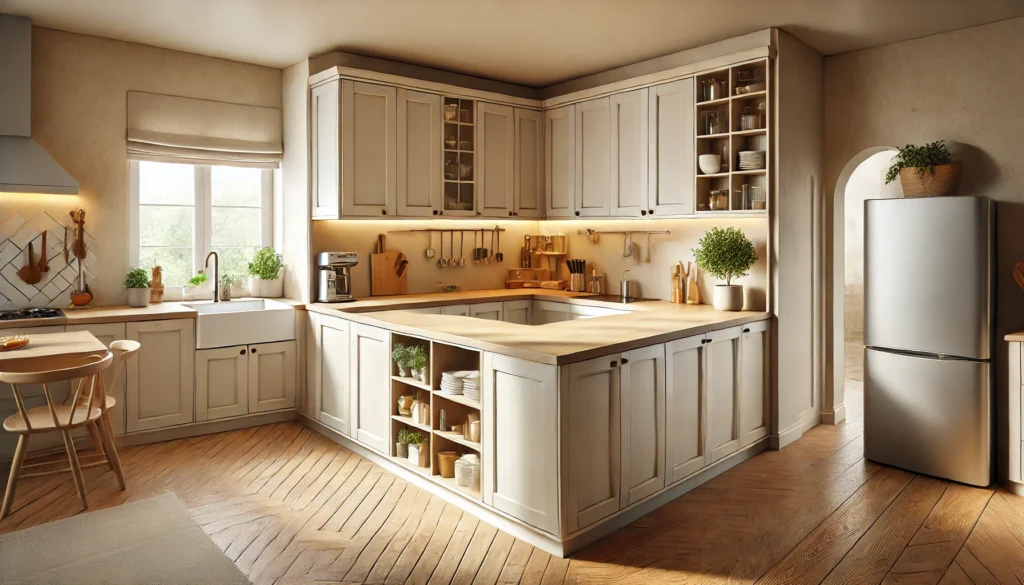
{"points": [[54, 289]]}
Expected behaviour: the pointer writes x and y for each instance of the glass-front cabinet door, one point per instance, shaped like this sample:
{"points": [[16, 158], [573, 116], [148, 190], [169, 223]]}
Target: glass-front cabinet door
{"points": [[459, 171]]}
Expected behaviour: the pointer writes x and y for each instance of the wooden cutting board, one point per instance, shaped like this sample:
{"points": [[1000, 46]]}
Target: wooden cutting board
{"points": [[384, 279]]}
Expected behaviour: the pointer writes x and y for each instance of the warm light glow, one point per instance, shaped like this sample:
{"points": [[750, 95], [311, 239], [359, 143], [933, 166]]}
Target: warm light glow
{"points": [[63, 199]]}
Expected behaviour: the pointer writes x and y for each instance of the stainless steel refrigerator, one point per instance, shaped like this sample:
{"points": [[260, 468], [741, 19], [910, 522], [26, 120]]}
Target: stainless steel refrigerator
{"points": [[929, 321]]}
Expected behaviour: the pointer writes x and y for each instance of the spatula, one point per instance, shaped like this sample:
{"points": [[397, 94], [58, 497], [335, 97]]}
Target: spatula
{"points": [[1018, 273]]}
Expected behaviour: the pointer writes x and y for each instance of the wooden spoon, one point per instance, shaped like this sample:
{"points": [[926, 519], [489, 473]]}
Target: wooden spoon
{"points": [[29, 273], [1018, 273], [43, 266]]}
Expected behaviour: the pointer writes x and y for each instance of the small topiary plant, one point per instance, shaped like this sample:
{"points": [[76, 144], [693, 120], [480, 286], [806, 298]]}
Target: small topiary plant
{"points": [[405, 437], [418, 357], [402, 356], [136, 278], [923, 158], [725, 253], [266, 264]]}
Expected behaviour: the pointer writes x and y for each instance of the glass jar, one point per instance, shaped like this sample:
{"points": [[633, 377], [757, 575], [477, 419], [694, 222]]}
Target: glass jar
{"points": [[467, 471]]}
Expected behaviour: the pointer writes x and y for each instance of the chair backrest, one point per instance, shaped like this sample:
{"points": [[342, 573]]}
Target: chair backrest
{"points": [[44, 370]]}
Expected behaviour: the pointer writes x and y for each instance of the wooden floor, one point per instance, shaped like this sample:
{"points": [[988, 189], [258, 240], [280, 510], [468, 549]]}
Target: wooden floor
{"points": [[289, 506]]}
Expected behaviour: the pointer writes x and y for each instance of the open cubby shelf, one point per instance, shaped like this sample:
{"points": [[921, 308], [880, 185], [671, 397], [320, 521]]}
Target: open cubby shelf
{"points": [[730, 137]]}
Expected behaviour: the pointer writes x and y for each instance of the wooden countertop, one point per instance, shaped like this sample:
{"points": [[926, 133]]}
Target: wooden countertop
{"points": [[645, 323], [47, 345], [1015, 336]]}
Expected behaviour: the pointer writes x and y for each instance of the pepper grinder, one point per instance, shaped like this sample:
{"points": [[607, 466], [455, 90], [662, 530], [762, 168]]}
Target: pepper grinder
{"points": [[625, 286]]}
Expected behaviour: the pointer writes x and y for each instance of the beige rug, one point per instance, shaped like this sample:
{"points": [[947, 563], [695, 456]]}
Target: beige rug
{"points": [[153, 541]]}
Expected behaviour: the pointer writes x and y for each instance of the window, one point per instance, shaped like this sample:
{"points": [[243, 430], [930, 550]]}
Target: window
{"points": [[181, 212]]}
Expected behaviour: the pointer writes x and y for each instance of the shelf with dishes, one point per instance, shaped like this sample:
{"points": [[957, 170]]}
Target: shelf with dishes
{"points": [[459, 144], [733, 143]]}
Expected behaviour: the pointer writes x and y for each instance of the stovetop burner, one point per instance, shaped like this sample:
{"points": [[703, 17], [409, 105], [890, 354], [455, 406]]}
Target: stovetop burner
{"points": [[30, 313]]}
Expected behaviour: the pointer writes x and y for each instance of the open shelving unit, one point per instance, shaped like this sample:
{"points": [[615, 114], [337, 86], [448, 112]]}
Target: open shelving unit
{"points": [[443, 357], [732, 135]]}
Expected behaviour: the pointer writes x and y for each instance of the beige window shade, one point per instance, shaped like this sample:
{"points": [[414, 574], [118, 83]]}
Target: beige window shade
{"points": [[168, 128]]}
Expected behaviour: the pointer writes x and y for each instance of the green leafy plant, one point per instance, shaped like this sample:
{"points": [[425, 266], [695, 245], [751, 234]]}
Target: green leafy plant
{"points": [[923, 158], [266, 264], [137, 278], [406, 437], [725, 253], [197, 280], [418, 357], [402, 355]]}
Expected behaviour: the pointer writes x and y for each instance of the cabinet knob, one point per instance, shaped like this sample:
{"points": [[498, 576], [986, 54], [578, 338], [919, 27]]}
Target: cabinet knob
{"points": [[577, 214], [643, 212], [440, 212], [383, 211], [703, 341], [510, 214], [435, 212], [252, 350], [241, 352], [650, 211], [614, 364], [746, 329], [624, 361]]}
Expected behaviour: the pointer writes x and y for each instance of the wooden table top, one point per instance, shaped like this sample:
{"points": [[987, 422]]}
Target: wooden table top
{"points": [[56, 344]]}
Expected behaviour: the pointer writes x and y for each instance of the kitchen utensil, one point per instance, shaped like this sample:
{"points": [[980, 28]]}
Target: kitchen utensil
{"points": [[64, 246], [625, 286], [452, 263], [29, 273], [627, 246], [647, 252], [525, 258], [709, 163], [1018, 274], [429, 252], [487, 257], [484, 254], [43, 266], [462, 243], [692, 290], [499, 256], [401, 264], [442, 262], [79, 246]]}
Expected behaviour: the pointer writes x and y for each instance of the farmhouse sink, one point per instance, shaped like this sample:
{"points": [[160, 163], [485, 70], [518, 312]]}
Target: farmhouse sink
{"points": [[242, 322]]}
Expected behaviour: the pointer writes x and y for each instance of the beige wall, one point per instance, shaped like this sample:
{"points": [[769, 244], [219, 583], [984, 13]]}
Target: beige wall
{"points": [[293, 209], [606, 256], [964, 86], [79, 87]]}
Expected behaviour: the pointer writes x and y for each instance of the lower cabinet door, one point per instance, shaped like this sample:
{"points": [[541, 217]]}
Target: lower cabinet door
{"points": [[459, 310], [723, 392], [491, 311], [222, 382], [520, 469], [545, 312], [160, 378], [272, 376], [371, 384], [332, 376], [114, 377], [643, 423], [753, 392], [517, 312], [594, 441], [685, 408]]}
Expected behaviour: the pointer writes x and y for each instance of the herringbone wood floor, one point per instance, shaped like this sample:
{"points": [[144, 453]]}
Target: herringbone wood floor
{"points": [[289, 506]]}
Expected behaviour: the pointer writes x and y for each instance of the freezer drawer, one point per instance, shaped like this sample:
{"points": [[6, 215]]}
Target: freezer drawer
{"points": [[929, 415], [928, 276]]}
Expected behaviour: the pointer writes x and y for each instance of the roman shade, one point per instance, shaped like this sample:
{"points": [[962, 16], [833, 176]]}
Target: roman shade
{"points": [[167, 128]]}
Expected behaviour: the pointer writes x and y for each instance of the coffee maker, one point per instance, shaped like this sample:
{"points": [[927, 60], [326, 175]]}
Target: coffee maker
{"points": [[334, 281]]}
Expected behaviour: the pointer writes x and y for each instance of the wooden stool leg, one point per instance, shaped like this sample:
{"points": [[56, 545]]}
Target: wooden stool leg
{"points": [[12, 481], [76, 469], [107, 432], [95, 437]]}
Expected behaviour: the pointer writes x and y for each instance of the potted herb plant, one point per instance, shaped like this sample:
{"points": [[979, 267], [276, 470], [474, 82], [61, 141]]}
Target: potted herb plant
{"points": [[265, 274], [418, 362], [137, 284], [925, 171], [418, 455], [402, 355], [402, 446], [726, 253], [194, 288]]}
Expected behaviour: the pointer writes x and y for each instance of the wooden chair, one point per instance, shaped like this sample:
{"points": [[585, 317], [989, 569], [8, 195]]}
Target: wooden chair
{"points": [[123, 350], [86, 407]]}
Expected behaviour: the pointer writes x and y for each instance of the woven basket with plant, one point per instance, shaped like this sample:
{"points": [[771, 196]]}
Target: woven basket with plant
{"points": [[925, 171]]}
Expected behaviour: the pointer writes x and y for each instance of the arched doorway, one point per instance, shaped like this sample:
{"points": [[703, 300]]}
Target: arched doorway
{"points": [[862, 178]]}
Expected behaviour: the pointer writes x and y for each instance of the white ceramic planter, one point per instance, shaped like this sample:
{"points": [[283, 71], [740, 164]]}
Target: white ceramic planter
{"points": [[268, 289], [728, 297], [138, 297]]}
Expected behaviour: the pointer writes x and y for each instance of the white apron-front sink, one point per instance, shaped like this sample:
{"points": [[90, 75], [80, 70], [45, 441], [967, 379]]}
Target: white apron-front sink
{"points": [[242, 322]]}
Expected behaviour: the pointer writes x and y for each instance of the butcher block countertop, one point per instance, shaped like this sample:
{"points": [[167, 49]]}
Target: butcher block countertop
{"points": [[1015, 336], [645, 323]]}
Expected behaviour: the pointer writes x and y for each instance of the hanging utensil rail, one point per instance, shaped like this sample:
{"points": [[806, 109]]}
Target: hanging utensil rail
{"points": [[446, 230], [590, 232]]}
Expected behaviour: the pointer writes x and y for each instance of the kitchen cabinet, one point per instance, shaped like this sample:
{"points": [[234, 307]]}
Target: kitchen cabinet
{"points": [[1015, 416], [587, 312], [518, 312], [419, 153], [529, 164], [325, 153], [371, 366], [160, 380], [593, 158], [723, 392], [459, 310], [491, 311], [560, 162], [670, 155], [594, 441], [520, 425], [642, 390], [332, 375], [426, 311], [685, 408], [753, 396], [495, 140], [368, 149], [629, 127], [272, 376], [108, 333], [222, 382], [545, 312]]}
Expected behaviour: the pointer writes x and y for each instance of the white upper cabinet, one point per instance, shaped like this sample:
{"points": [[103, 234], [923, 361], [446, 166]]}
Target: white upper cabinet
{"points": [[495, 139], [325, 157], [629, 154], [419, 153], [529, 146], [723, 392], [368, 151], [560, 162], [593, 158], [753, 397], [670, 179]]}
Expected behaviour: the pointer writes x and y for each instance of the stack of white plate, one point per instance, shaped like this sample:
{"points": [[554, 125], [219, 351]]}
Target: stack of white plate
{"points": [[471, 386], [751, 160], [455, 382]]}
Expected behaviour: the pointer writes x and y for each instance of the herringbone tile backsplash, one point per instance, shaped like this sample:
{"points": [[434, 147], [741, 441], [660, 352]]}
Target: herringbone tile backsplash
{"points": [[54, 290]]}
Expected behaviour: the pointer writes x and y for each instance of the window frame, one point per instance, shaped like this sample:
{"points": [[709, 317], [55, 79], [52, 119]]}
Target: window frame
{"points": [[203, 216]]}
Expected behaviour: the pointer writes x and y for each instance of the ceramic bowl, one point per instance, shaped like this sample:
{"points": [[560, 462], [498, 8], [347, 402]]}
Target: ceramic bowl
{"points": [[710, 163]]}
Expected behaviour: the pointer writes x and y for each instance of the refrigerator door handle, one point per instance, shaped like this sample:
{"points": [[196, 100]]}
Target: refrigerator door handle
{"points": [[923, 354]]}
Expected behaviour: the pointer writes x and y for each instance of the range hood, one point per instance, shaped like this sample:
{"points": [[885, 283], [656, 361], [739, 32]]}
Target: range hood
{"points": [[24, 166]]}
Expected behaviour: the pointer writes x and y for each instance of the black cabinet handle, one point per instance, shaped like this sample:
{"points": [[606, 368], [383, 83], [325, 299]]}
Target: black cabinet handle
{"points": [[746, 329], [253, 350], [510, 214], [624, 361], [383, 211], [241, 352], [440, 212], [643, 212], [703, 341], [577, 214], [651, 211], [435, 212], [614, 364]]}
